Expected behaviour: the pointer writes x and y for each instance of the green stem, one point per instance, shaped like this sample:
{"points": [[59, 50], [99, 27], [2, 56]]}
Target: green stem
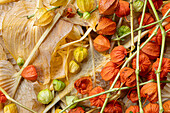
{"points": [[161, 57], [168, 30], [137, 58], [14, 101], [94, 9], [108, 91]]}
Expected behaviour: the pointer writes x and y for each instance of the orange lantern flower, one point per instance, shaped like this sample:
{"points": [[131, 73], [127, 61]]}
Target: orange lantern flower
{"points": [[3, 98], [166, 106], [113, 107], [99, 100], [150, 92], [118, 54], [77, 110], [128, 76], [157, 4], [107, 7], [109, 71], [151, 108], [165, 68], [157, 38], [144, 64], [101, 43], [148, 19], [167, 27], [106, 26], [132, 95], [118, 83], [134, 109], [123, 9], [164, 9], [152, 50], [83, 85]]}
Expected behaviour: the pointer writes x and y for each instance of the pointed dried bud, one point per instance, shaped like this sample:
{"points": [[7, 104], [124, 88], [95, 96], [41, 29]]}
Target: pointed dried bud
{"points": [[80, 53], [123, 9]]}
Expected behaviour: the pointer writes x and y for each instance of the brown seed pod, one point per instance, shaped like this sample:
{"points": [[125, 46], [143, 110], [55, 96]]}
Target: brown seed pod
{"points": [[134, 109], [157, 4], [106, 26], [101, 43], [118, 83], [165, 8], [158, 37], [132, 95], [123, 9], [151, 108], [150, 92], [148, 19], [113, 107], [152, 50], [107, 7], [166, 106], [118, 54], [128, 76], [109, 71], [144, 64]]}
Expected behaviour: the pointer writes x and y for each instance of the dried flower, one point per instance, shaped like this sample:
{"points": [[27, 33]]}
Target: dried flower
{"points": [[58, 85], [166, 106], [144, 64], [123, 30], [20, 61], [106, 26], [150, 92], [132, 95], [158, 37], [148, 19], [74, 67], [45, 96], [123, 9], [99, 100], [83, 85], [29, 73], [107, 7], [113, 107], [164, 9], [70, 100], [10, 108], [109, 71], [157, 4], [3, 98], [85, 5], [152, 50], [77, 110], [133, 109], [58, 111], [70, 11], [118, 54], [138, 5], [80, 53], [165, 68], [167, 27], [151, 108], [128, 76], [101, 43], [118, 83]]}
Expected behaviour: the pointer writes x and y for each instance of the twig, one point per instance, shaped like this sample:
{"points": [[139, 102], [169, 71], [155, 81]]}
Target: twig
{"points": [[161, 57]]}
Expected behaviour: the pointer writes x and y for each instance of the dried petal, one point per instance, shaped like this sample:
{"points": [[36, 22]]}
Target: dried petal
{"points": [[151, 108], [118, 54], [85, 5], [132, 95], [77, 110], [109, 71], [106, 26], [165, 68], [107, 7], [167, 27], [144, 64], [83, 85], [123, 9], [166, 106], [157, 4], [157, 38], [113, 107], [128, 76], [150, 92], [58, 2], [148, 19], [165, 8], [99, 100], [134, 109], [101, 43], [152, 50], [118, 83]]}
